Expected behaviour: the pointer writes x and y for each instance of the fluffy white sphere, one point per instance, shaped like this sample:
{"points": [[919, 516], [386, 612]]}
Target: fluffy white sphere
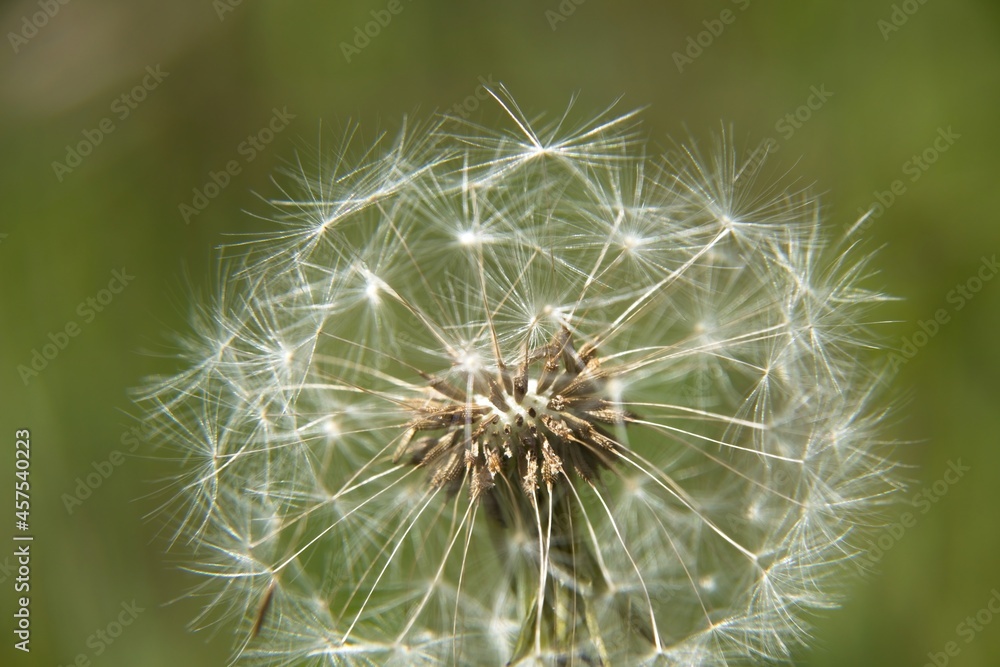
{"points": [[527, 397]]}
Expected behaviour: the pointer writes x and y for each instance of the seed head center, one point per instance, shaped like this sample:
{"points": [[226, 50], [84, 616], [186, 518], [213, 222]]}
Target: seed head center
{"points": [[530, 423]]}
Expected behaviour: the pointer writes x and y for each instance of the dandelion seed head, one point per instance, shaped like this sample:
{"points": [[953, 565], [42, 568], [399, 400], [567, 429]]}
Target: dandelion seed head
{"points": [[526, 396]]}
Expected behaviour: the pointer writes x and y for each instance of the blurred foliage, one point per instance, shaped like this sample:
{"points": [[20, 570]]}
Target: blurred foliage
{"points": [[891, 93]]}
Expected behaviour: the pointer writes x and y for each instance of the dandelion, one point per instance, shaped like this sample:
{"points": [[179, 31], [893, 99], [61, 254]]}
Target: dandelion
{"points": [[526, 397]]}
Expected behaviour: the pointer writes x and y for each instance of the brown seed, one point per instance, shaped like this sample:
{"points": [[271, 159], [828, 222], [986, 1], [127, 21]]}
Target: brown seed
{"points": [[265, 605]]}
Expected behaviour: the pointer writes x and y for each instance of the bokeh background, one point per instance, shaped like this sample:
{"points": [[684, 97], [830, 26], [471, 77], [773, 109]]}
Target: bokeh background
{"points": [[894, 76]]}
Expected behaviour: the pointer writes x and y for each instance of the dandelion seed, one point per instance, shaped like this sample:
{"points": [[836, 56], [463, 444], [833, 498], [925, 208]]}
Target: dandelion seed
{"points": [[527, 397], [265, 606]]}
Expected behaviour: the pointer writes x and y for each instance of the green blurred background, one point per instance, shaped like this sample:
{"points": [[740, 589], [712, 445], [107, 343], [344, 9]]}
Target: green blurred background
{"points": [[230, 64]]}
